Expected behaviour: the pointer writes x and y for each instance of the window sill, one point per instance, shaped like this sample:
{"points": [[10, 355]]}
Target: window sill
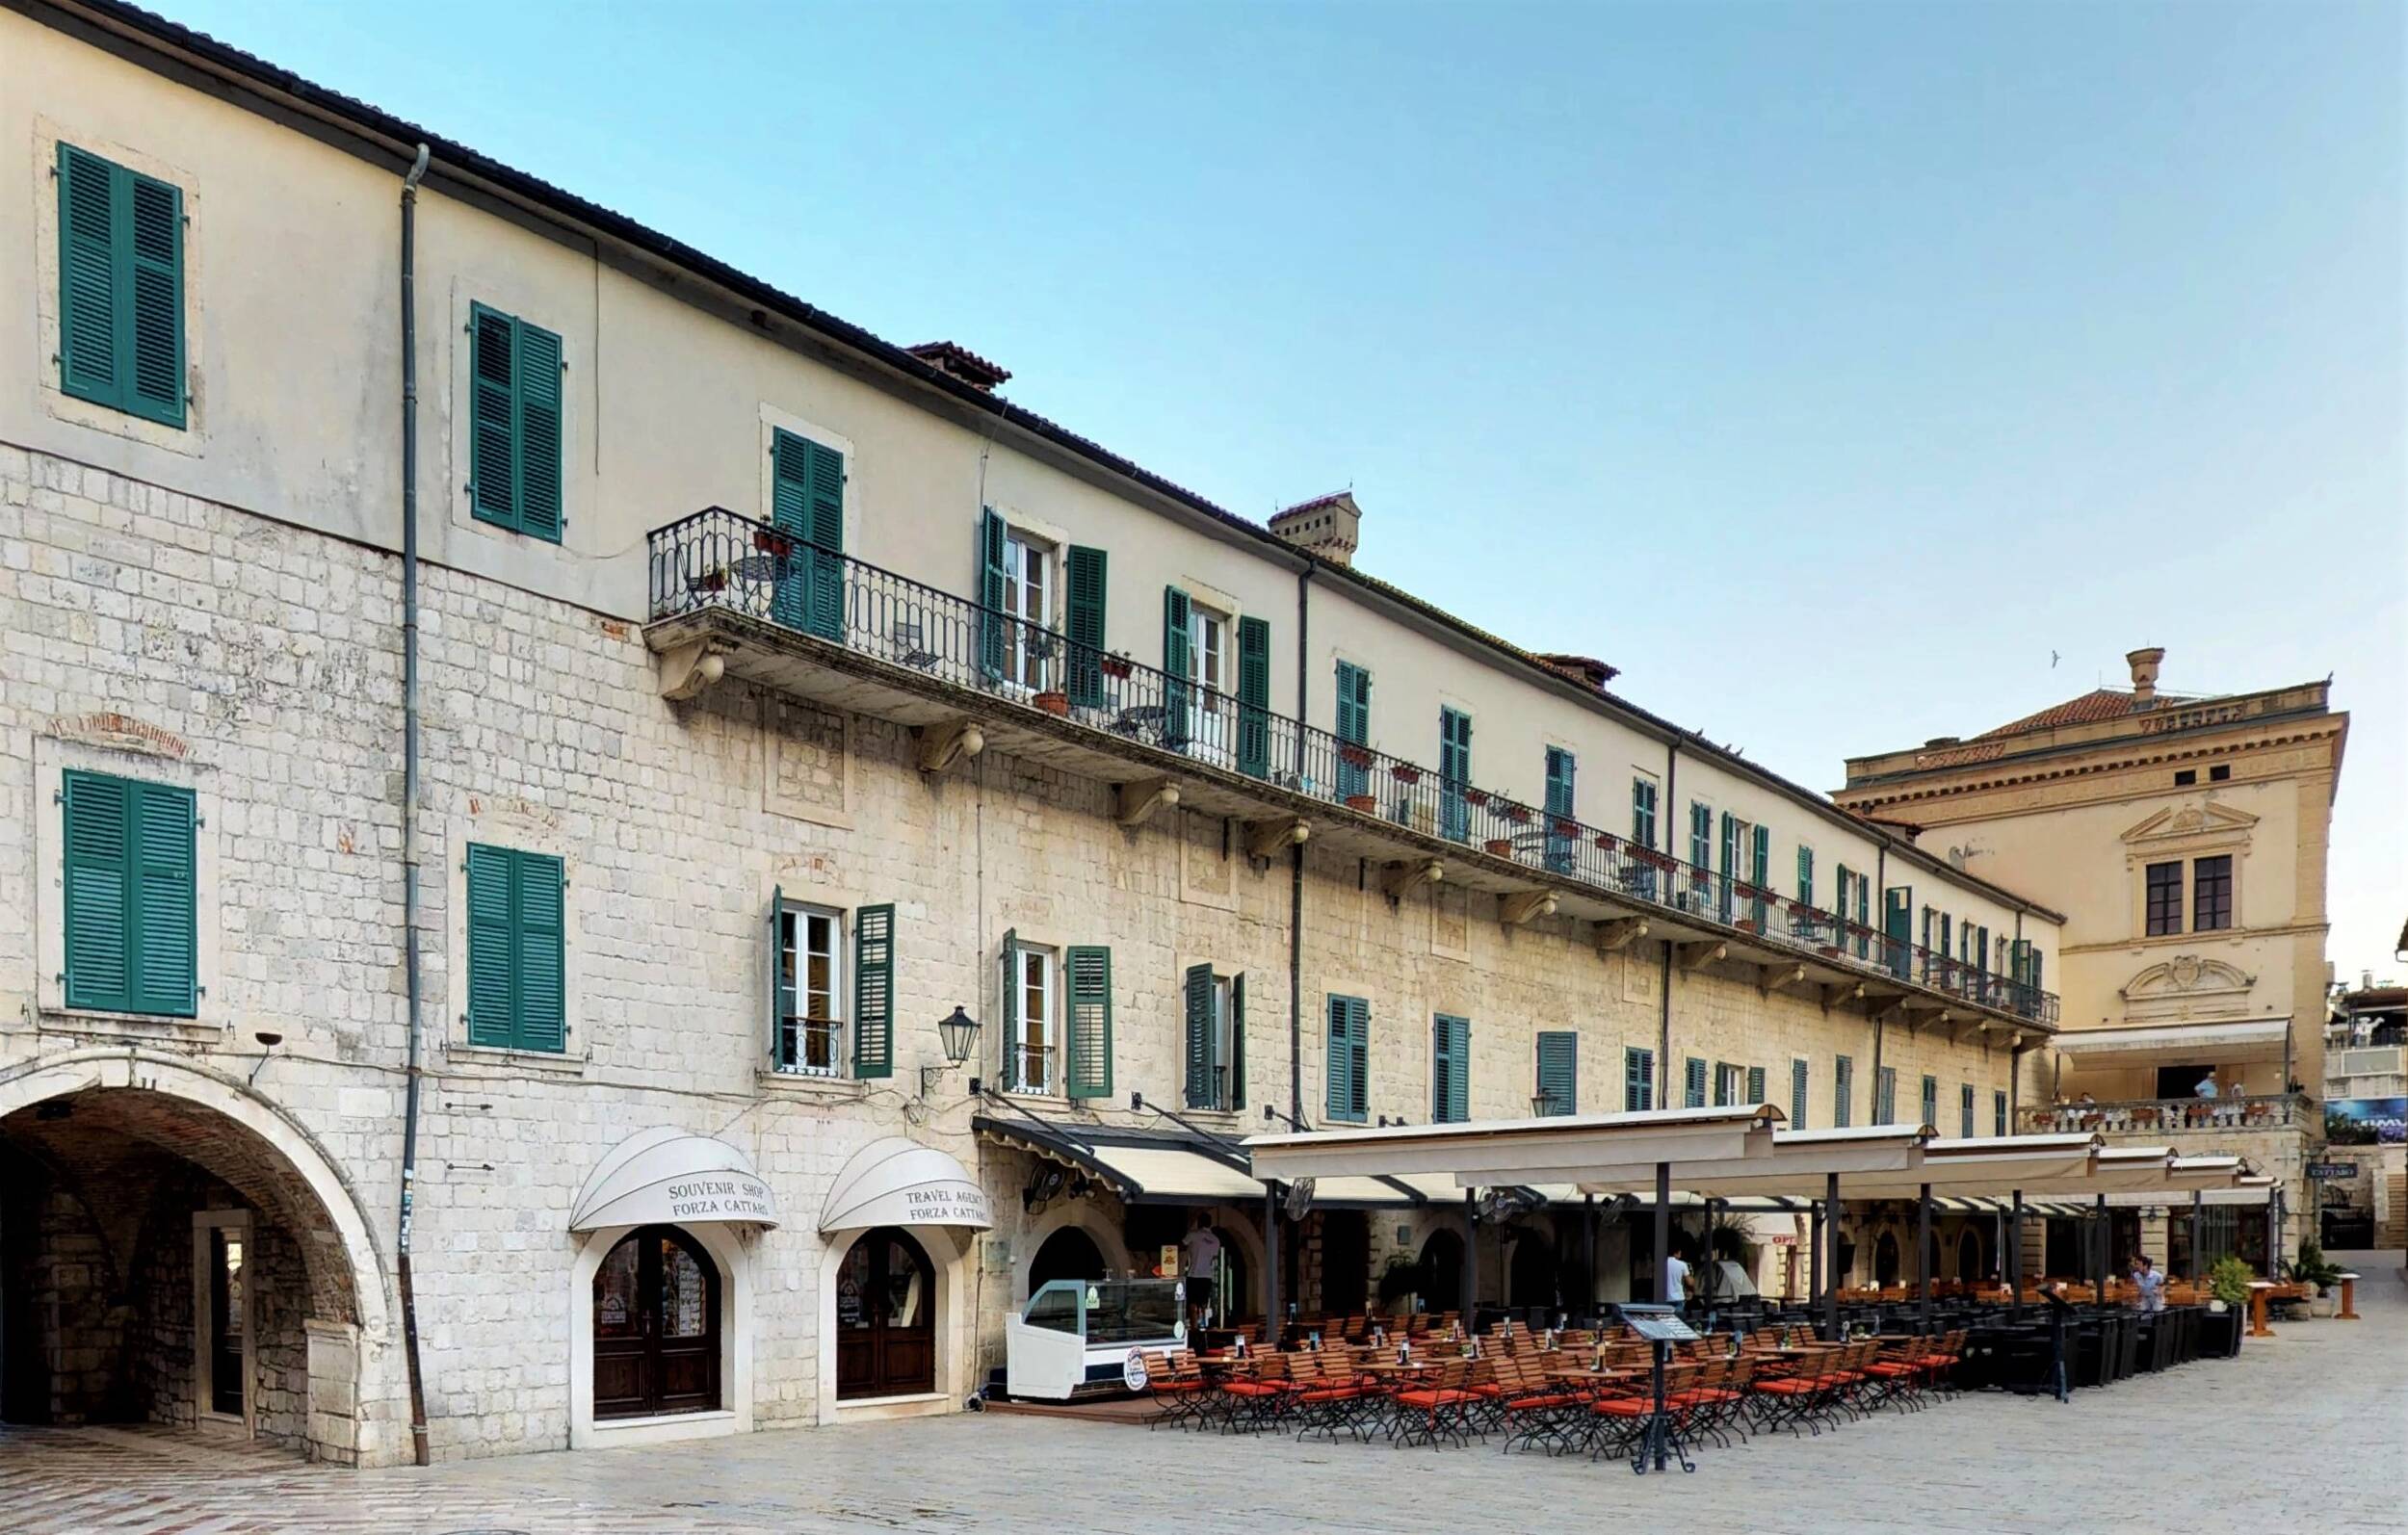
{"points": [[127, 1025], [798, 1084], [495, 1060]]}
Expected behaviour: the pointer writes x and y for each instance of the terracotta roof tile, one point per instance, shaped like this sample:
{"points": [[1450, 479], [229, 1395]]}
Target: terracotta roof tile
{"points": [[2100, 703]]}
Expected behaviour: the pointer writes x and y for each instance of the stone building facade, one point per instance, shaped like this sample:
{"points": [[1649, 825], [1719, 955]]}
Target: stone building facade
{"points": [[756, 856]]}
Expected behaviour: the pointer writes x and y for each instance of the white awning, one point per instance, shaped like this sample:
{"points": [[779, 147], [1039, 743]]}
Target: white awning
{"points": [[2226, 1042], [671, 1176], [1514, 1150], [894, 1181], [1169, 1173]]}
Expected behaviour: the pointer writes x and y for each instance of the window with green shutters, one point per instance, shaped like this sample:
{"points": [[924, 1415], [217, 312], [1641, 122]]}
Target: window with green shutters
{"points": [[1450, 1069], [874, 991], [1087, 1020], [515, 427], [1843, 1092], [1088, 570], [1997, 1113], [1701, 834], [1805, 876], [994, 625], [1931, 1102], [121, 287], [807, 505], [1254, 697], [131, 908], [1558, 1071], [1454, 772], [517, 961], [1797, 1094], [1354, 727], [1643, 812], [1726, 1084], [1561, 848], [1885, 1096], [1638, 1080], [1349, 1062], [1755, 1086], [1965, 1110], [1178, 666], [1695, 1083], [1215, 1039]]}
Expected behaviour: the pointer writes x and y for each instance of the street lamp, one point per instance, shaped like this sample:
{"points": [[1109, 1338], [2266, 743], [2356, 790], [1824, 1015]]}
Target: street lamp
{"points": [[959, 1033]]}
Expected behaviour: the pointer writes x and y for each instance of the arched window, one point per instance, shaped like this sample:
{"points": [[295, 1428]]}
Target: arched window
{"points": [[885, 1319], [656, 1326]]}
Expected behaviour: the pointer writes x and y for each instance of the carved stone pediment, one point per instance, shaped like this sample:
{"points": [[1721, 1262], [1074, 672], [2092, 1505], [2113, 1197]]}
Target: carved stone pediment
{"points": [[2187, 986], [2219, 822]]}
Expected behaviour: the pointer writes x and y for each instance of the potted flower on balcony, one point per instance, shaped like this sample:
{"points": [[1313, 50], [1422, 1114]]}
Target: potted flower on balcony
{"points": [[1500, 847], [1566, 826], [1605, 841], [1476, 796], [1055, 703], [1405, 772], [1516, 814], [1354, 756], [1366, 803], [1115, 665], [770, 541]]}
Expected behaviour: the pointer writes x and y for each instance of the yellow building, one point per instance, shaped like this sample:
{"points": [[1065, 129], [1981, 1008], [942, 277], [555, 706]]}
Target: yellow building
{"points": [[2184, 839]]}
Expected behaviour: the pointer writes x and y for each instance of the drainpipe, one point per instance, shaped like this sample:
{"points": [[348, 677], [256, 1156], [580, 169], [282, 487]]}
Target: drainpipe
{"points": [[409, 788], [1663, 1020], [1296, 860]]}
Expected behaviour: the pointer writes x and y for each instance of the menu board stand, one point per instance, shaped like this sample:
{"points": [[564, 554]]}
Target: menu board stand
{"points": [[1661, 1327]]}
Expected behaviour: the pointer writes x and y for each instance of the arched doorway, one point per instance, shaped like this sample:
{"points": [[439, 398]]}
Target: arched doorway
{"points": [[181, 1252], [1069, 1254], [1233, 1286], [1531, 1271], [656, 1326], [1885, 1259], [1969, 1264], [1442, 1271], [885, 1319]]}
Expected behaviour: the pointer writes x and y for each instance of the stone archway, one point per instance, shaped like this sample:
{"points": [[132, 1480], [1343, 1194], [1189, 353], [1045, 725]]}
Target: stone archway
{"points": [[159, 1170]]}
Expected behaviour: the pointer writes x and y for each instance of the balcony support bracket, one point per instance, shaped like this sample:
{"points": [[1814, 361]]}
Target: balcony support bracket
{"points": [[1134, 804], [940, 746], [1610, 936], [1697, 956], [1771, 978], [687, 670], [1269, 839], [1521, 907], [1398, 880], [1841, 995]]}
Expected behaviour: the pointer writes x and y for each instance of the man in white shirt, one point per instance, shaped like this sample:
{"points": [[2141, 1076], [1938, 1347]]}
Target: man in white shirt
{"points": [[1200, 1249], [1676, 1282], [2207, 1085], [2148, 1283]]}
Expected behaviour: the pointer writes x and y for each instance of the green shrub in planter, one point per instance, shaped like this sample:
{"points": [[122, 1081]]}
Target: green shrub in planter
{"points": [[2229, 1281]]}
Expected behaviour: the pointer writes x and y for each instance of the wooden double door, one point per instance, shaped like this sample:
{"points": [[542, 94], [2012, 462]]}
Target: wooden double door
{"points": [[885, 1318], [656, 1326]]}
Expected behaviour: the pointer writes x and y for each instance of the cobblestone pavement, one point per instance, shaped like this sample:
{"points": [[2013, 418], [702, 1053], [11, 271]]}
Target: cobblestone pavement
{"points": [[2303, 1431]]}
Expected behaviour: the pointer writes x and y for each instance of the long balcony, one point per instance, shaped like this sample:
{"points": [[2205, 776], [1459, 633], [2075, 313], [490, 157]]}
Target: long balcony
{"points": [[848, 635], [2173, 1116]]}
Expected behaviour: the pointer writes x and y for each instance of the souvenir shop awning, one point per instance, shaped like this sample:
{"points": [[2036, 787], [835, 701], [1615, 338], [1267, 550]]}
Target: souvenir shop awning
{"points": [[667, 1176], [896, 1182]]}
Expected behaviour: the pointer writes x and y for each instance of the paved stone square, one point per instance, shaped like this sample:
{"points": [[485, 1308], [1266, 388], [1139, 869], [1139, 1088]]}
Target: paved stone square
{"points": [[2305, 1431]]}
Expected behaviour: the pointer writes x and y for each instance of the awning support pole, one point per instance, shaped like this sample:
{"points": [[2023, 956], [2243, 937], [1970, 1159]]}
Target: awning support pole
{"points": [[1814, 1258], [1588, 1302], [1270, 1266], [1665, 1295], [2015, 1259], [1922, 1256], [1833, 1279], [2101, 1289], [2198, 1230], [1471, 1261]]}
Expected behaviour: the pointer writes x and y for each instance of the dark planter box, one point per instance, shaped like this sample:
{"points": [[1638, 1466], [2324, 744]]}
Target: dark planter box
{"points": [[2219, 1336]]}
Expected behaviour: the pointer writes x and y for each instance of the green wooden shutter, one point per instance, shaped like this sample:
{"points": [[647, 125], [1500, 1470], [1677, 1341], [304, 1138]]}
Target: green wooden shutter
{"points": [[1759, 861], [492, 990], [1179, 663], [1237, 1041], [89, 238], [1701, 822], [1199, 1009], [1010, 961], [1964, 1109], [99, 891], [1885, 1096], [1355, 725], [1348, 1065], [1839, 907], [1088, 998], [541, 959], [780, 989], [493, 430], [993, 640], [1805, 876], [121, 287], [1843, 1092], [1451, 1069], [538, 431], [1084, 682], [164, 931], [1755, 1084], [1931, 1102], [1696, 1085], [1558, 1071], [1797, 1095], [1359, 1057], [1254, 696], [874, 991], [824, 524], [1334, 1094], [1454, 772]]}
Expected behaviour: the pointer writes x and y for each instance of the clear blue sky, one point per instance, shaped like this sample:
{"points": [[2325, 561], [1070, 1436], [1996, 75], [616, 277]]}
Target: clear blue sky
{"points": [[1826, 367]]}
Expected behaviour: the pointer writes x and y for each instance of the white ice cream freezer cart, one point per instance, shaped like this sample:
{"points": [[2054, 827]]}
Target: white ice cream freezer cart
{"points": [[1083, 1337]]}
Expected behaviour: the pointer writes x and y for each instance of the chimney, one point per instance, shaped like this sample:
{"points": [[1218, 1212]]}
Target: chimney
{"points": [[1330, 526], [1587, 670], [961, 363], [2144, 666]]}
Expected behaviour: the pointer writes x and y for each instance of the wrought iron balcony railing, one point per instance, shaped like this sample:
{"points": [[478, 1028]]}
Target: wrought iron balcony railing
{"points": [[718, 561], [2161, 1116]]}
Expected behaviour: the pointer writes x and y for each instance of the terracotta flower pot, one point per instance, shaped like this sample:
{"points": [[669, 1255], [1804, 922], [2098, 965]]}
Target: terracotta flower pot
{"points": [[1055, 703], [1362, 802], [1501, 846]]}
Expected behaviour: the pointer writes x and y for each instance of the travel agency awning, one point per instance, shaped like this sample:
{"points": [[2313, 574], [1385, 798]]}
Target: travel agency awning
{"points": [[2226, 1042], [664, 1176], [896, 1182]]}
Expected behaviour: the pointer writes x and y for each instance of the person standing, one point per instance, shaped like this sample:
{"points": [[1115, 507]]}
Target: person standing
{"points": [[1200, 1256], [1676, 1282], [2206, 1085], [2148, 1283]]}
